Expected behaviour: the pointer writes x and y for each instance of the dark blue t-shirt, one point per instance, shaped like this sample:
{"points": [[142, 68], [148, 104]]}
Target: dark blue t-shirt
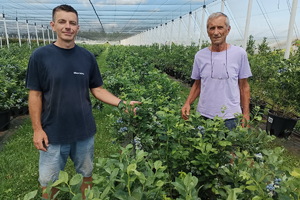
{"points": [[64, 76]]}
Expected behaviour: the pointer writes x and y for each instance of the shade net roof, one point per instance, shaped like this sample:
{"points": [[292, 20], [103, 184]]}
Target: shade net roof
{"points": [[126, 16], [269, 18]]}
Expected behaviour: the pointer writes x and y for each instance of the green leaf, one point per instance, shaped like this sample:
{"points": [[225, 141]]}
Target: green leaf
{"points": [[157, 164], [77, 197], [105, 192], [64, 189], [179, 186], [296, 173], [63, 176], [224, 143], [131, 167], [30, 195], [232, 193], [256, 198], [159, 183], [120, 194], [56, 183], [258, 117], [141, 155], [75, 180], [252, 187], [137, 194], [114, 173]]}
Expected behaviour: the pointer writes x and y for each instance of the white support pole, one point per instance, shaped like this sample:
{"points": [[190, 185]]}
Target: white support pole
{"points": [[140, 40], [202, 26], [179, 30], [197, 24], [43, 35], [222, 6], [28, 34], [171, 34], [160, 36], [189, 28], [148, 37], [1, 42], [186, 28], [290, 31], [53, 39], [153, 35], [246, 33], [19, 35], [157, 36], [145, 37], [36, 35], [166, 33], [5, 29], [48, 35]]}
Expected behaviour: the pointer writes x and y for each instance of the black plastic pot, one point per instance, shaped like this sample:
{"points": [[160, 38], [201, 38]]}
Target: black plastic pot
{"points": [[4, 120], [280, 126], [15, 111]]}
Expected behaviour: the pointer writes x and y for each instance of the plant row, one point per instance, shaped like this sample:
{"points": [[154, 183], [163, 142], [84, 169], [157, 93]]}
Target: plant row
{"points": [[164, 157], [275, 80]]}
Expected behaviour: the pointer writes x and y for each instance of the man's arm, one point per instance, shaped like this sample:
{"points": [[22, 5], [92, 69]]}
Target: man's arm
{"points": [[194, 94], [40, 138], [245, 98], [105, 96]]}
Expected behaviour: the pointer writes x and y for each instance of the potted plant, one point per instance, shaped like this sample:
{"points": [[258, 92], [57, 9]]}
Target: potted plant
{"points": [[5, 104], [283, 115], [8, 92]]}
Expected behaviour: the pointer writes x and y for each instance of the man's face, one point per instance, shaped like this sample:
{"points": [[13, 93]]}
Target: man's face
{"points": [[217, 30], [66, 26]]}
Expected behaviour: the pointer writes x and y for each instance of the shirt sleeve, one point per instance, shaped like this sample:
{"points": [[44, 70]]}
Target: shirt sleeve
{"points": [[32, 75], [196, 69], [245, 71], [95, 76]]}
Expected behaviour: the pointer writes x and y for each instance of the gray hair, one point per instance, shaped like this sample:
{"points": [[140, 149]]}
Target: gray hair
{"points": [[216, 15]]}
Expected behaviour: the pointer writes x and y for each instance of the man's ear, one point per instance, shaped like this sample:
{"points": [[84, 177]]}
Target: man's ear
{"points": [[52, 25]]}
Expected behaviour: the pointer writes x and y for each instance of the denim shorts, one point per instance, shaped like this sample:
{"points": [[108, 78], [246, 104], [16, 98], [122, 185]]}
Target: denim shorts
{"points": [[55, 159], [231, 123]]}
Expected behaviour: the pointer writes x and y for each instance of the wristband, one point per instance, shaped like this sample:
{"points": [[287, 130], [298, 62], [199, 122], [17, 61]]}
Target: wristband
{"points": [[120, 102]]}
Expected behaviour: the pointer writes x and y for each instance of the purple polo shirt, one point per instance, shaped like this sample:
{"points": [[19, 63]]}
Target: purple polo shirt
{"points": [[219, 73]]}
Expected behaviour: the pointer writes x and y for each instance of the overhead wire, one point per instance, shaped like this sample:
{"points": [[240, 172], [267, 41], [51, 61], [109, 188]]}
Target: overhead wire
{"points": [[233, 20], [268, 21], [97, 15]]}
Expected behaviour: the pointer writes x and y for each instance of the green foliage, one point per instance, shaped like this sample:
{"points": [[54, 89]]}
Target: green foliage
{"points": [[250, 45], [169, 158], [204, 148], [264, 48], [275, 81], [13, 64], [186, 185]]}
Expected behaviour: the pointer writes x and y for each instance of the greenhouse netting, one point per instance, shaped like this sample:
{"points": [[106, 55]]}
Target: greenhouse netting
{"points": [[144, 22]]}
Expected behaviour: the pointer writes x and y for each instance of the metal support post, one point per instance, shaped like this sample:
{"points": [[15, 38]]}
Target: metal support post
{"points": [[290, 31]]}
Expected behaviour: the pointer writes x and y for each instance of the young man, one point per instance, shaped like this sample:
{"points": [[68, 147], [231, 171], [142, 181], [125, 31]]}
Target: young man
{"points": [[59, 78], [220, 72]]}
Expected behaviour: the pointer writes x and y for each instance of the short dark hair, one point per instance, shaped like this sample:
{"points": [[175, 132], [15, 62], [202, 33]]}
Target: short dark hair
{"points": [[63, 7]]}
